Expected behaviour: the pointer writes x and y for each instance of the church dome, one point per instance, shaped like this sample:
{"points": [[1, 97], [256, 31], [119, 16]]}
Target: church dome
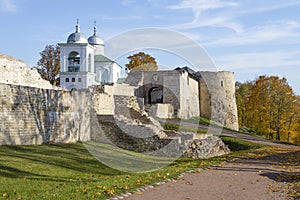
{"points": [[77, 37], [95, 39]]}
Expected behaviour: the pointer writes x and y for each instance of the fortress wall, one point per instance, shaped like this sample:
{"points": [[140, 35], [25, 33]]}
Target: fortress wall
{"points": [[103, 97], [171, 90], [189, 97], [35, 116], [16, 72], [217, 94]]}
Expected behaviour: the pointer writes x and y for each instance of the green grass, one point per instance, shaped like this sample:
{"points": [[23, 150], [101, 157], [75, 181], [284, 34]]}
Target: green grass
{"points": [[177, 127], [69, 171], [236, 144]]}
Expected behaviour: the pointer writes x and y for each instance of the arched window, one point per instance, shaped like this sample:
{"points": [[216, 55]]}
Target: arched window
{"points": [[222, 83], [73, 80], [67, 80], [79, 80], [73, 62]]}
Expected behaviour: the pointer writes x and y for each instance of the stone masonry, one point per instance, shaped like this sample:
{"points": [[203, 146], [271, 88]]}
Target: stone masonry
{"points": [[15, 72], [35, 116]]}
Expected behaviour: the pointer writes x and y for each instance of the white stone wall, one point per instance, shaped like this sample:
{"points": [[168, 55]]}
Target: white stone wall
{"points": [[104, 102], [189, 97], [162, 111], [34, 116]]}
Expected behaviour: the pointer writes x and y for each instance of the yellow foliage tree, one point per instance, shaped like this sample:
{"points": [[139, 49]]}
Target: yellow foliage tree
{"points": [[141, 62], [269, 107]]}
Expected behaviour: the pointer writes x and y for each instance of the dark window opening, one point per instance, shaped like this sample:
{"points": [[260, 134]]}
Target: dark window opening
{"points": [[155, 95], [74, 62]]}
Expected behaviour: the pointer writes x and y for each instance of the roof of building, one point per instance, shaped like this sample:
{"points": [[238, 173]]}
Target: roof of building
{"points": [[77, 37], [191, 72], [95, 39], [102, 58]]}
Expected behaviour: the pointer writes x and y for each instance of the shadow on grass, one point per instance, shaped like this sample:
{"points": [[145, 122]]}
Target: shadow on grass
{"points": [[49, 160]]}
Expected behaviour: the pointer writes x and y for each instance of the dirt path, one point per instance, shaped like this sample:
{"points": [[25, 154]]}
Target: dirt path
{"points": [[266, 178], [243, 179]]}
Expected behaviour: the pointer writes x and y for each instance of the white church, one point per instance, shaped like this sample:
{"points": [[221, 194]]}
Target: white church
{"points": [[83, 63]]}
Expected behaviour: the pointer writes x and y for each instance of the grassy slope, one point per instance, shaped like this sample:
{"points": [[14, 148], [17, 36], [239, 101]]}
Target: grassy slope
{"points": [[69, 171]]}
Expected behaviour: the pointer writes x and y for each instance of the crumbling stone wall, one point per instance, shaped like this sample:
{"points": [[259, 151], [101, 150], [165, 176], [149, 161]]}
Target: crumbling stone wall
{"points": [[132, 129], [16, 72]]}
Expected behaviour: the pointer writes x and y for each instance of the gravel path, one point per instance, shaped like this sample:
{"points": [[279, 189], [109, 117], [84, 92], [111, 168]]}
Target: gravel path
{"points": [[266, 178]]}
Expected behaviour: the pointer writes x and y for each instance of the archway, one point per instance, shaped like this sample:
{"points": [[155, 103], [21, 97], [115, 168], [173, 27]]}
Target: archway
{"points": [[155, 95]]}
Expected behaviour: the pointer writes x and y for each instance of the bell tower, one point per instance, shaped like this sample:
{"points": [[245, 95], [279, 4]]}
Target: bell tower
{"points": [[77, 62]]}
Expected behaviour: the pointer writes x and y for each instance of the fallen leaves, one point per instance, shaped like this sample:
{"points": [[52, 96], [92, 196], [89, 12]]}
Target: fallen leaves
{"points": [[5, 195]]}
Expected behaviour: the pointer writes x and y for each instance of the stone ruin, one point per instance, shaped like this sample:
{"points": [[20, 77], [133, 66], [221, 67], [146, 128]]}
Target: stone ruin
{"points": [[34, 112], [133, 129]]}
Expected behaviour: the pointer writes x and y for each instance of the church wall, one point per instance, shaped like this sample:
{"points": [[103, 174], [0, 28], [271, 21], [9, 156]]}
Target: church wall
{"points": [[116, 72]]}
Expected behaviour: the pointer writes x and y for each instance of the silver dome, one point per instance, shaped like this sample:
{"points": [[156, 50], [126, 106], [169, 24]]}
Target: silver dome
{"points": [[77, 37], [95, 39]]}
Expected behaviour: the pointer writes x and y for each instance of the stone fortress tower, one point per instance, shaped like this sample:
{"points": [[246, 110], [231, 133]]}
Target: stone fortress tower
{"points": [[83, 62], [217, 97], [184, 93]]}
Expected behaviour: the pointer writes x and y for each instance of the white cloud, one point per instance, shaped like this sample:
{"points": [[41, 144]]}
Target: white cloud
{"points": [[228, 12], [199, 20], [8, 6], [265, 6], [281, 31], [258, 60], [202, 5]]}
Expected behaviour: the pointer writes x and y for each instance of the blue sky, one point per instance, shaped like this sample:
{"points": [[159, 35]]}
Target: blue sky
{"points": [[248, 37]]}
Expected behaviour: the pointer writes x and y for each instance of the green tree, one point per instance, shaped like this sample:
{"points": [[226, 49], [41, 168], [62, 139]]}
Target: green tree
{"points": [[141, 62], [49, 64]]}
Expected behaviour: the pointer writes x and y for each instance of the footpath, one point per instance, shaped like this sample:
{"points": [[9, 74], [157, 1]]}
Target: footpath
{"points": [[265, 178]]}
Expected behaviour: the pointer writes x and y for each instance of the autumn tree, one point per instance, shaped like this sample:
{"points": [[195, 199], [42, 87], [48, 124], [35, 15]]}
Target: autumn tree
{"points": [[49, 64], [242, 99], [141, 62], [268, 106]]}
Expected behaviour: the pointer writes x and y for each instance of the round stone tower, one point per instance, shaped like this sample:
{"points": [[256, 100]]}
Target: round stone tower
{"points": [[217, 98]]}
